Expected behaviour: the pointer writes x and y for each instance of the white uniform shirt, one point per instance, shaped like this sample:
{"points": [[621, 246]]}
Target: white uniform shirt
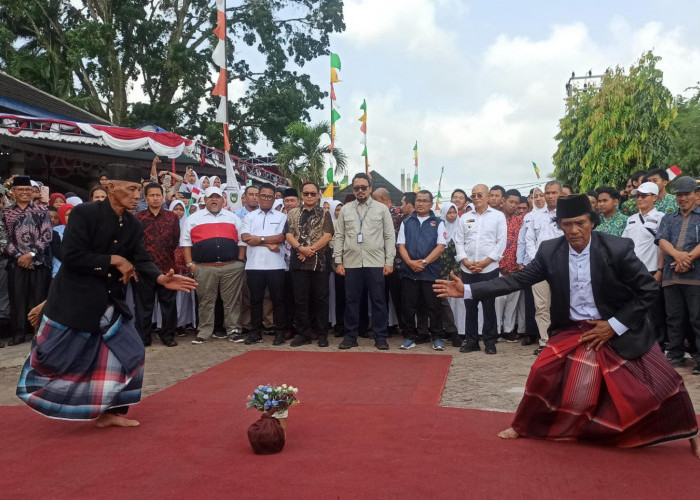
{"points": [[641, 229], [441, 234], [259, 223], [481, 236], [544, 228]]}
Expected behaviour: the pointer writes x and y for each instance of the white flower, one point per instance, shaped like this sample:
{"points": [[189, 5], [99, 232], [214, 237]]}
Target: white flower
{"points": [[266, 396], [294, 389], [284, 386]]}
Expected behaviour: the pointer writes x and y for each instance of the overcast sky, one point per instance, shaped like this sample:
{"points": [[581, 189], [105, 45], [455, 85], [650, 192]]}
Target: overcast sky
{"points": [[480, 85]]}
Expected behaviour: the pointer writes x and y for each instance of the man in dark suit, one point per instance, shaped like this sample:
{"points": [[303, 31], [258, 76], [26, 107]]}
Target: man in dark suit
{"points": [[87, 359], [602, 376]]}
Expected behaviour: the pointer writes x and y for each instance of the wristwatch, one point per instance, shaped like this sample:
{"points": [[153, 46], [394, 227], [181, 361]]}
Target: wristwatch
{"points": [[425, 262], [189, 264], [262, 239], [33, 254]]}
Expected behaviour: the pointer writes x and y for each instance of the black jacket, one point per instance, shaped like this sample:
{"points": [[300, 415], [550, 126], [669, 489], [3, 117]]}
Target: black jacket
{"points": [[86, 284], [622, 287]]}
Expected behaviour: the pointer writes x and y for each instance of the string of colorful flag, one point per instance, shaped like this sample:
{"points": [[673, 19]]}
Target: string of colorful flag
{"points": [[416, 187], [363, 140], [335, 67]]}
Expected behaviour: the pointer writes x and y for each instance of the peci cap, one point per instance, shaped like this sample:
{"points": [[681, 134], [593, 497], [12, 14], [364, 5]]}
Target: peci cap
{"points": [[646, 188], [290, 192], [573, 205], [21, 180], [211, 190], [685, 184], [123, 172]]}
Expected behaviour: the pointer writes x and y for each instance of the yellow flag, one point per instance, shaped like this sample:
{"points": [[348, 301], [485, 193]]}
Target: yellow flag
{"points": [[334, 76], [328, 193]]}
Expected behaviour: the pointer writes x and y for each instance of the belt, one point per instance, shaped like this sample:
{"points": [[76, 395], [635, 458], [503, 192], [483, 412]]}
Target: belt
{"points": [[216, 264]]}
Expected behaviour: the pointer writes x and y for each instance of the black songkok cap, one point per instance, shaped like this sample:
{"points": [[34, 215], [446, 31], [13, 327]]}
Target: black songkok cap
{"points": [[290, 192], [573, 205], [122, 172], [21, 180]]}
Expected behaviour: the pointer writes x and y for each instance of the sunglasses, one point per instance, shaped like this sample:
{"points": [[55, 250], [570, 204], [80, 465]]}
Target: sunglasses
{"points": [[265, 196], [643, 195], [478, 195], [306, 193], [360, 188]]}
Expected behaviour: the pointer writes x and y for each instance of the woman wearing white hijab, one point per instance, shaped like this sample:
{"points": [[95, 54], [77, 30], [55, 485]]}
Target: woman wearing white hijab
{"points": [[450, 264], [187, 186]]}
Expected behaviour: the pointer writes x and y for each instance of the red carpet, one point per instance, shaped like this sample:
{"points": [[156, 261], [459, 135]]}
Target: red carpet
{"points": [[368, 427]]}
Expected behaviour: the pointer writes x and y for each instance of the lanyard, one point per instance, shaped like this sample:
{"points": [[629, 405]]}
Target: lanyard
{"points": [[362, 218]]}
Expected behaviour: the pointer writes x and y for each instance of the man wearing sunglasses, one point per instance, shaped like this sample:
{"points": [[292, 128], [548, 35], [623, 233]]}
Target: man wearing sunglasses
{"points": [[364, 248], [309, 229]]}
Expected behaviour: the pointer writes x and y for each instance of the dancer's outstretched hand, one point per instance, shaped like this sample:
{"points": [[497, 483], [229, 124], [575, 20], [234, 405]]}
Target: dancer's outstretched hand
{"points": [[449, 288], [173, 281]]}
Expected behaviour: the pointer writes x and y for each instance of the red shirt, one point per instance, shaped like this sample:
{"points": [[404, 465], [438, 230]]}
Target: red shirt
{"points": [[161, 236], [508, 263]]}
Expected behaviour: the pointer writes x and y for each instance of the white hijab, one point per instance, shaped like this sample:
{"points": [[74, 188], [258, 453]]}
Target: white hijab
{"points": [[187, 187], [183, 219], [450, 227], [199, 183], [334, 205], [278, 203]]}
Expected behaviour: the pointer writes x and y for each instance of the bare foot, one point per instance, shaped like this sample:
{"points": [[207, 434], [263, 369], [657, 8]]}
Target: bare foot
{"points": [[695, 446], [112, 420], [509, 433]]}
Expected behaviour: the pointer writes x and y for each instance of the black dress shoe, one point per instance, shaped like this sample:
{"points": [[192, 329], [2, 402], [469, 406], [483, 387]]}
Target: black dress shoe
{"points": [[527, 340], [538, 350], [279, 339], [300, 340], [456, 340], [381, 344], [323, 340], [490, 349], [146, 340], [509, 337], [469, 347], [167, 341], [347, 344]]}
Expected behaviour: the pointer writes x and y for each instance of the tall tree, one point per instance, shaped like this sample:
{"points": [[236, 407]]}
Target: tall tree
{"points": [[163, 47], [306, 153], [685, 144], [624, 126]]}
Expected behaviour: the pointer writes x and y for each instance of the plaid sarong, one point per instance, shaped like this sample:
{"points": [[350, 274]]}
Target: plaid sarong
{"points": [[76, 375], [575, 393]]}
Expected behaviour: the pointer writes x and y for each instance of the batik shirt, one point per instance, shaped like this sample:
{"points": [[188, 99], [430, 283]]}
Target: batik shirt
{"points": [[309, 226], [508, 263], [161, 236], [614, 225], [665, 205], [684, 234], [29, 230]]}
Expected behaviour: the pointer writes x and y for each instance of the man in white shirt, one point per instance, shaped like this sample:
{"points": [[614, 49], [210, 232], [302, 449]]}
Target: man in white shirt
{"points": [[479, 242], [544, 227], [641, 228], [263, 233]]}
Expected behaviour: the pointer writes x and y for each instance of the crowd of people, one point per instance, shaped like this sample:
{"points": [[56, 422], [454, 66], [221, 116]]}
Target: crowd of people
{"points": [[298, 266]]}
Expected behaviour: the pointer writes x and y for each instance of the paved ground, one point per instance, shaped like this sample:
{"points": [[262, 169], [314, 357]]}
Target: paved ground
{"points": [[476, 380]]}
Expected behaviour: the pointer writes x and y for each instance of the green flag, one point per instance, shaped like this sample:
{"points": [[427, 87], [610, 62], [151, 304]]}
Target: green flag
{"points": [[364, 105], [334, 116], [329, 176], [335, 61], [364, 151]]}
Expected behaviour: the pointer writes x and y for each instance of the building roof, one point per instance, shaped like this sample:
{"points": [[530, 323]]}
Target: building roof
{"points": [[377, 181], [21, 98]]}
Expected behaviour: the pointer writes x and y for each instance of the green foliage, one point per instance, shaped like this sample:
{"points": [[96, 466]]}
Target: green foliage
{"points": [[622, 126], [96, 51], [685, 144], [303, 156]]}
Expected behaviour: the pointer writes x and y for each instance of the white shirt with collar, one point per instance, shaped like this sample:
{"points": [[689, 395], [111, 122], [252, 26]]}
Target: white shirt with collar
{"points": [[480, 236], [581, 301], [642, 229], [259, 223], [544, 227]]}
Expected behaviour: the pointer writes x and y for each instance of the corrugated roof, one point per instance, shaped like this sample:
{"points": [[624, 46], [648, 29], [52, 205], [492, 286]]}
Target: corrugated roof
{"points": [[35, 102]]}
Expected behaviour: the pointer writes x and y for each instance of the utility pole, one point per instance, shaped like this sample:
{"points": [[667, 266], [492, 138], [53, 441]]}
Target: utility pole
{"points": [[590, 82]]}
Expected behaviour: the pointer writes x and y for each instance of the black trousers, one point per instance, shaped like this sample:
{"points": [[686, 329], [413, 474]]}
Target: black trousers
{"points": [[28, 288], [273, 281], [683, 319], [310, 302], [339, 302], [418, 295], [289, 301], [530, 323], [357, 280], [471, 330], [657, 314], [147, 291]]}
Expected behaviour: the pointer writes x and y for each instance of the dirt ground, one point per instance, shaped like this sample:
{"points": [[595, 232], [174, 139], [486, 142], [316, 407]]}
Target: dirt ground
{"points": [[476, 380]]}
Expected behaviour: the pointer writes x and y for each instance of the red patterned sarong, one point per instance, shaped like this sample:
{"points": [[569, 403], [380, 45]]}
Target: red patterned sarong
{"points": [[575, 393]]}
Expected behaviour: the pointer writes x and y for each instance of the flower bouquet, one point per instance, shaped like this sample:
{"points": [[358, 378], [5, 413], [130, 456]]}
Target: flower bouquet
{"points": [[269, 434]]}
